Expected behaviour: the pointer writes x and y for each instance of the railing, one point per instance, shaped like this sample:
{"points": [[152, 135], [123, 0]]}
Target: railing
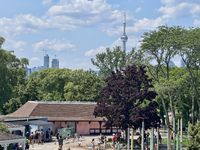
{"points": [[94, 131]]}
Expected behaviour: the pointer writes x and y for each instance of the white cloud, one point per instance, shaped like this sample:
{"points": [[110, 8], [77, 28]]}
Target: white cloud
{"points": [[19, 45], [197, 22], [95, 51], [146, 24], [132, 42], [46, 2], [85, 13], [20, 24], [138, 9], [66, 15], [11, 44], [62, 65], [58, 45], [138, 26], [80, 59], [35, 61], [180, 8], [177, 63]]}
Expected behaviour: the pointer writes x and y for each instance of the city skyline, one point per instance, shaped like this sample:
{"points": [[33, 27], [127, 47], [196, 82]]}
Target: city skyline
{"points": [[77, 30]]}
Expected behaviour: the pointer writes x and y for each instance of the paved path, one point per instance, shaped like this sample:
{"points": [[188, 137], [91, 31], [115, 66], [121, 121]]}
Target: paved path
{"points": [[85, 144]]}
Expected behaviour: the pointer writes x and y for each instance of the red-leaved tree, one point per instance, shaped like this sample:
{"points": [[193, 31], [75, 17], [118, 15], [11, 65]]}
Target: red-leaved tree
{"points": [[127, 98]]}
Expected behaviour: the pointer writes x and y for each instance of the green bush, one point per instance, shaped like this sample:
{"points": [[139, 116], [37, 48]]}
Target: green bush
{"points": [[194, 140]]}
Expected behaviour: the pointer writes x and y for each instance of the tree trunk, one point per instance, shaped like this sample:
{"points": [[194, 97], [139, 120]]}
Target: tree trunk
{"points": [[173, 117], [167, 121], [166, 113], [192, 109]]}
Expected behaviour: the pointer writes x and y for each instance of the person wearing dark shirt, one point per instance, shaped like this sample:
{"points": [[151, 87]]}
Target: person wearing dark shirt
{"points": [[47, 135], [57, 137], [60, 141], [27, 135]]}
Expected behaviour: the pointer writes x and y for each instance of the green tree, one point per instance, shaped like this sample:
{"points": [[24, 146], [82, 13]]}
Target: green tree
{"points": [[115, 59], [189, 51], [4, 129], [159, 45], [67, 85], [85, 87], [127, 97], [10, 68], [194, 140], [26, 90]]}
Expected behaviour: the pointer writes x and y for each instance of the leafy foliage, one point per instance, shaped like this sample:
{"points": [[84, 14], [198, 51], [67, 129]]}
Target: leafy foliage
{"points": [[10, 68], [194, 140], [4, 129], [115, 59], [54, 84], [127, 97]]}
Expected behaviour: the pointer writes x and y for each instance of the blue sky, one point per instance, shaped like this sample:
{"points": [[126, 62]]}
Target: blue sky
{"points": [[76, 30]]}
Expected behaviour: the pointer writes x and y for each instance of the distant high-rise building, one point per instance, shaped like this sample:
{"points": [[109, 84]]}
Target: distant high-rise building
{"points": [[182, 64], [33, 69], [171, 64], [55, 63], [28, 71], [46, 61], [39, 68]]}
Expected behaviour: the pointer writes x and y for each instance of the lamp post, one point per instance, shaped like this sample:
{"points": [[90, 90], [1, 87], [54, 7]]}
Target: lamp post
{"points": [[132, 138], [158, 136], [128, 138], [168, 136]]}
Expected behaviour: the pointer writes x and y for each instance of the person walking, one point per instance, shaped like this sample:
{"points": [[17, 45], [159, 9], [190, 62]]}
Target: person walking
{"points": [[60, 142], [47, 135], [36, 137], [113, 141], [31, 138], [99, 143], [39, 137], [160, 138], [27, 143], [57, 136], [93, 144], [42, 137], [27, 135], [50, 134], [104, 142]]}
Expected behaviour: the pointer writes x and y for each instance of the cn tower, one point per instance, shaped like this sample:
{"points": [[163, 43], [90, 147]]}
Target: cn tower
{"points": [[124, 37]]}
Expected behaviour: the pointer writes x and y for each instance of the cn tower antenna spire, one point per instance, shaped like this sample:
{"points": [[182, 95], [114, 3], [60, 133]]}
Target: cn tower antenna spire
{"points": [[124, 37]]}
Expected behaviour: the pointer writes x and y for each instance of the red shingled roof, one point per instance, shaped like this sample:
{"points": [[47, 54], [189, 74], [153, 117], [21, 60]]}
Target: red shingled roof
{"points": [[59, 111]]}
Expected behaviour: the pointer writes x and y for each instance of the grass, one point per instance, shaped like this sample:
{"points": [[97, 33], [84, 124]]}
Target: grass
{"points": [[185, 141]]}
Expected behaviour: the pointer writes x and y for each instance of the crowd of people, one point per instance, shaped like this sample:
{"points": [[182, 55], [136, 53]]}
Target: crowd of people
{"points": [[38, 137], [100, 140], [147, 141], [103, 140]]}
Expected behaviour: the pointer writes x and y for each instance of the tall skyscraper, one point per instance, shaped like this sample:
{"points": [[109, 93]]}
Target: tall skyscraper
{"points": [[182, 64], [46, 61], [124, 37], [28, 71], [55, 63]]}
